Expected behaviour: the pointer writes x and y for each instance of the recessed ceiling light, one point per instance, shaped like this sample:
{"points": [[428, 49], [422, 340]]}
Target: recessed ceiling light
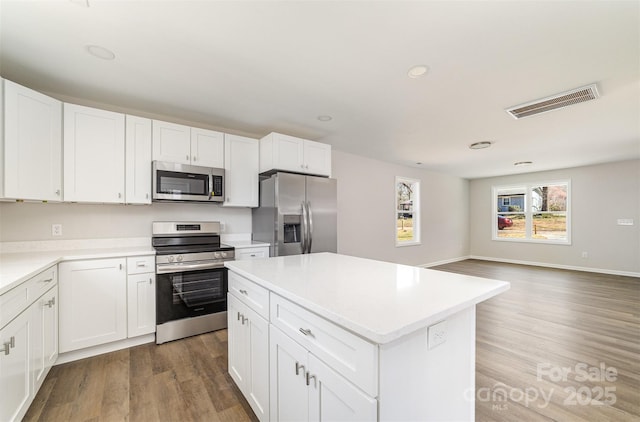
{"points": [[324, 118], [480, 145], [523, 163], [100, 52], [418, 71]]}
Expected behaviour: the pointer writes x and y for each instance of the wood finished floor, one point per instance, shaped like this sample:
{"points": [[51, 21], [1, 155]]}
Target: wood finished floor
{"points": [[556, 317]]}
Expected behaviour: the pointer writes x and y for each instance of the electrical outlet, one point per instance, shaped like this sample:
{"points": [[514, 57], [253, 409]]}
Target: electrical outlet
{"points": [[223, 226], [56, 229], [437, 334]]}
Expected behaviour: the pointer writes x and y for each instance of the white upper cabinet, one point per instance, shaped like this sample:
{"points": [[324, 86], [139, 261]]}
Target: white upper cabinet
{"points": [[32, 159], [288, 153], [138, 160], [171, 142], [241, 160], [93, 155], [182, 144], [207, 148]]}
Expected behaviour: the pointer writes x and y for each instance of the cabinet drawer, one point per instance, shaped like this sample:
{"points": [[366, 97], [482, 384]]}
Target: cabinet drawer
{"points": [[141, 264], [19, 298], [353, 357], [252, 295], [252, 253]]}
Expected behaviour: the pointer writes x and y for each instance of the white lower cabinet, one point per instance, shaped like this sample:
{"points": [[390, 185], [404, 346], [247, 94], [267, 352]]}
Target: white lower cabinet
{"points": [[93, 303], [28, 342], [305, 388], [248, 338], [44, 336], [14, 368], [141, 306]]}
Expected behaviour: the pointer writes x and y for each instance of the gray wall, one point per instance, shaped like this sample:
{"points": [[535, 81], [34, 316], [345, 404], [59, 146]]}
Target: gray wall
{"points": [[32, 221], [366, 212], [600, 194]]}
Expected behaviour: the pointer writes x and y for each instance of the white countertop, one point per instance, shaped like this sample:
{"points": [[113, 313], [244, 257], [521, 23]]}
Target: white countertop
{"points": [[17, 267], [379, 301], [243, 244]]}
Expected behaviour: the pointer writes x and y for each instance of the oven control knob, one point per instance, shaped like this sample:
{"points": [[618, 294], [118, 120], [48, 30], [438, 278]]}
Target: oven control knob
{"points": [[171, 258], [179, 258], [216, 255]]}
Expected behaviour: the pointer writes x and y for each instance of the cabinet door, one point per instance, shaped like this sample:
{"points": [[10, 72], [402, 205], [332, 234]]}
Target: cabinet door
{"points": [[138, 160], [207, 148], [171, 142], [257, 386], [44, 335], [32, 144], [241, 160], [141, 308], [333, 398], [14, 369], [288, 153], [93, 303], [289, 400], [317, 158], [93, 155], [238, 342]]}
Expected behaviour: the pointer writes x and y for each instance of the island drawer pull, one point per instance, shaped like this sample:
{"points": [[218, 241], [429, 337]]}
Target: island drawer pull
{"points": [[47, 280], [244, 292], [299, 367], [307, 332]]}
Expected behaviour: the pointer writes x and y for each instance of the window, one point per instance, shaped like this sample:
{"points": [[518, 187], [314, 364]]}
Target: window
{"points": [[407, 211], [535, 212]]}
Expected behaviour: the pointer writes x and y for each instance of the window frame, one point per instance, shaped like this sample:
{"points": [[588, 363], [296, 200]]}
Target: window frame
{"points": [[529, 213], [415, 212]]}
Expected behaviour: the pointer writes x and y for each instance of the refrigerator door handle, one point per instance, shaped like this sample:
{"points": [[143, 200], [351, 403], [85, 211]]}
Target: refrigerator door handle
{"points": [[303, 229], [310, 227]]}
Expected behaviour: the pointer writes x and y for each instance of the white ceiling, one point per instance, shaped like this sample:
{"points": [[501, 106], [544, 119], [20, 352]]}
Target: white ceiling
{"points": [[259, 66]]}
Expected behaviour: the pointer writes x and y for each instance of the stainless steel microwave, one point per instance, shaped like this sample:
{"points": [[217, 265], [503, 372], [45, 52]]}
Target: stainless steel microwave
{"points": [[182, 182]]}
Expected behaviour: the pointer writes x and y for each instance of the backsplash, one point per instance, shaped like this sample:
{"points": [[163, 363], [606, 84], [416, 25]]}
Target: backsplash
{"points": [[21, 222]]}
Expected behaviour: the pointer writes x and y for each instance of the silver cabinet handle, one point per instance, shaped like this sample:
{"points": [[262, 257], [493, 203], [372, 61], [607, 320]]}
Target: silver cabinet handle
{"points": [[6, 348], [187, 158], [146, 196], [299, 367], [309, 377], [141, 264], [120, 266], [58, 192], [195, 158], [150, 280], [301, 166], [50, 303], [48, 280], [238, 316], [244, 292], [119, 195], [307, 166], [307, 332], [244, 319]]}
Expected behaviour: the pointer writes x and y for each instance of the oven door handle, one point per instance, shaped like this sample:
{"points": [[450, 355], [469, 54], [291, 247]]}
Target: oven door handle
{"points": [[178, 268]]}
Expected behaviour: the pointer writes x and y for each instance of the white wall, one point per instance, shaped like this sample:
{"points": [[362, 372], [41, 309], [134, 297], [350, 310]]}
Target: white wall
{"points": [[366, 212], [600, 195], [32, 221]]}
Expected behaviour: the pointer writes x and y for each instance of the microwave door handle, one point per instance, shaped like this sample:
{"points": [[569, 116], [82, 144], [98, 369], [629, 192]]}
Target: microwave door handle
{"points": [[303, 230], [210, 186], [310, 227]]}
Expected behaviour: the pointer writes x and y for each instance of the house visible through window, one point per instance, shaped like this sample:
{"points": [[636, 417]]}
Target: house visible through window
{"points": [[537, 212], [407, 211]]}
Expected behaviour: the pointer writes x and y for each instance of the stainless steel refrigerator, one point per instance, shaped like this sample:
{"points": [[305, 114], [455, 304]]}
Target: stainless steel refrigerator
{"points": [[297, 214]]}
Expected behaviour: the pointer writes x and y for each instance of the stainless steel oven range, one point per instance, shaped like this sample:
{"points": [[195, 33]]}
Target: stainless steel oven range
{"points": [[191, 281]]}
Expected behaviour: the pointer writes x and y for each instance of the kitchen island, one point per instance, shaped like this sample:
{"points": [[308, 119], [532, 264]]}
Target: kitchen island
{"points": [[327, 336]]}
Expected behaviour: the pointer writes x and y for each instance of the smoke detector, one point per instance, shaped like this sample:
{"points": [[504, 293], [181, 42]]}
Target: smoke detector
{"points": [[554, 102]]}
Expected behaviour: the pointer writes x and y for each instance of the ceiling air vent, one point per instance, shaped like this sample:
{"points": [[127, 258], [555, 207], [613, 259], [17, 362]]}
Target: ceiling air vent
{"points": [[554, 102]]}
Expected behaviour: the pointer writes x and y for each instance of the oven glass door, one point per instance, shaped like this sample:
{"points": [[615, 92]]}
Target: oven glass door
{"points": [[178, 183], [191, 293]]}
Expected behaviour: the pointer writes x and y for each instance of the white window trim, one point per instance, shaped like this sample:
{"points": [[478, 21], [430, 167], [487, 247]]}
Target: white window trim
{"points": [[528, 213], [416, 211]]}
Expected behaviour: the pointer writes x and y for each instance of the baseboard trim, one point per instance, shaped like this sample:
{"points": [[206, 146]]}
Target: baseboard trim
{"points": [[446, 261], [559, 266], [104, 348]]}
